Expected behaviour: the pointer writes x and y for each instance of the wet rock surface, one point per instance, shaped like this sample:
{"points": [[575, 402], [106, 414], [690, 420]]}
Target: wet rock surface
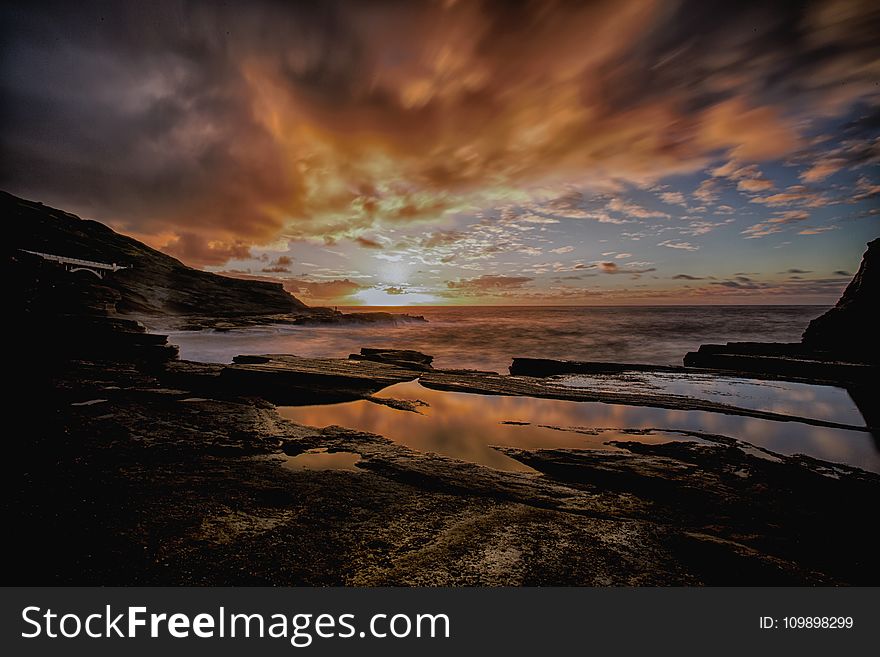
{"points": [[633, 395], [158, 484], [792, 361], [731, 492], [543, 367]]}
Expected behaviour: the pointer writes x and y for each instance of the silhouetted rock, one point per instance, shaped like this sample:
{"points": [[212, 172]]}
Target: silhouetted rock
{"points": [[287, 379], [786, 360], [59, 316], [851, 327], [153, 283], [401, 357]]}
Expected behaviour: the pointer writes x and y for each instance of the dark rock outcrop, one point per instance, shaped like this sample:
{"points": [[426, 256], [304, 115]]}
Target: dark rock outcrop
{"points": [[154, 283], [401, 357], [785, 360], [851, 326], [286, 379], [61, 316], [716, 484]]}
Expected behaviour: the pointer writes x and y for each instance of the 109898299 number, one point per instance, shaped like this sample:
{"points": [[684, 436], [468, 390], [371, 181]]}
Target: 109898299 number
{"points": [[817, 622], [808, 622]]}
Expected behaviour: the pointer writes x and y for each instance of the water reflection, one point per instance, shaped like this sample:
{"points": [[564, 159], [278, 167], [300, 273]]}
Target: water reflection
{"points": [[802, 399], [465, 425], [321, 459]]}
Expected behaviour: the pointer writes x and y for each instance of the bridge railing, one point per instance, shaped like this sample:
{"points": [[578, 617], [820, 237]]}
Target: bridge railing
{"points": [[76, 261]]}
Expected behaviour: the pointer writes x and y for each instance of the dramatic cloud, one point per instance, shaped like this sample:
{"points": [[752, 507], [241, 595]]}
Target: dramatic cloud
{"points": [[189, 247], [280, 265], [488, 284], [442, 150], [207, 128], [323, 290]]}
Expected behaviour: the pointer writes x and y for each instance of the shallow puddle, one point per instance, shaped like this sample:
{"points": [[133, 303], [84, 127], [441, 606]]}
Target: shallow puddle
{"points": [[817, 402], [321, 459], [465, 425]]}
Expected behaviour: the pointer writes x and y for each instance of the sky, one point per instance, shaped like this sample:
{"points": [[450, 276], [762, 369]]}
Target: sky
{"points": [[443, 152]]}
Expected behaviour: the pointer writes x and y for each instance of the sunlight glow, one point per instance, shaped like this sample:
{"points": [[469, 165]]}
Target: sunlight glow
{"points": [[394, 273], [379, 297]]}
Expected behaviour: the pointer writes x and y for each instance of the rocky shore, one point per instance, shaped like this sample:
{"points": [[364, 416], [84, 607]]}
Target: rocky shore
{"points": [[173, 473], [140, 468]]}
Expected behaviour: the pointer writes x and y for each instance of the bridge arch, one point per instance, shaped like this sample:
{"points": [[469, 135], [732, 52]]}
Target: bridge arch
{"points": [[73, 270]]}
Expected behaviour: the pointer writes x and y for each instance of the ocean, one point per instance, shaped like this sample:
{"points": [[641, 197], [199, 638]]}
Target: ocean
{"points": [[488, 337]]}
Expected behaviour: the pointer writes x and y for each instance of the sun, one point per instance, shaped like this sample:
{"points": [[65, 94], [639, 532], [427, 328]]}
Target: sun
{"points": [[380, 297], [394, 273]]}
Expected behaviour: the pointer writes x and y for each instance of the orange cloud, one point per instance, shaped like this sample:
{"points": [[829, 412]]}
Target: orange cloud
{"points": [[190, 247], [327, 291], [220, 127], [487, 285]]}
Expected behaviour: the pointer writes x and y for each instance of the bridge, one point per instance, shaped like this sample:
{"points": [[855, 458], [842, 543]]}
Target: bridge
{"points": [[99, 269]]}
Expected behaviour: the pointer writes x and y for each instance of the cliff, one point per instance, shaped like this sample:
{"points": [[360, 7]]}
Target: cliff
{"points": [[851, 326], [153, 284]]}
